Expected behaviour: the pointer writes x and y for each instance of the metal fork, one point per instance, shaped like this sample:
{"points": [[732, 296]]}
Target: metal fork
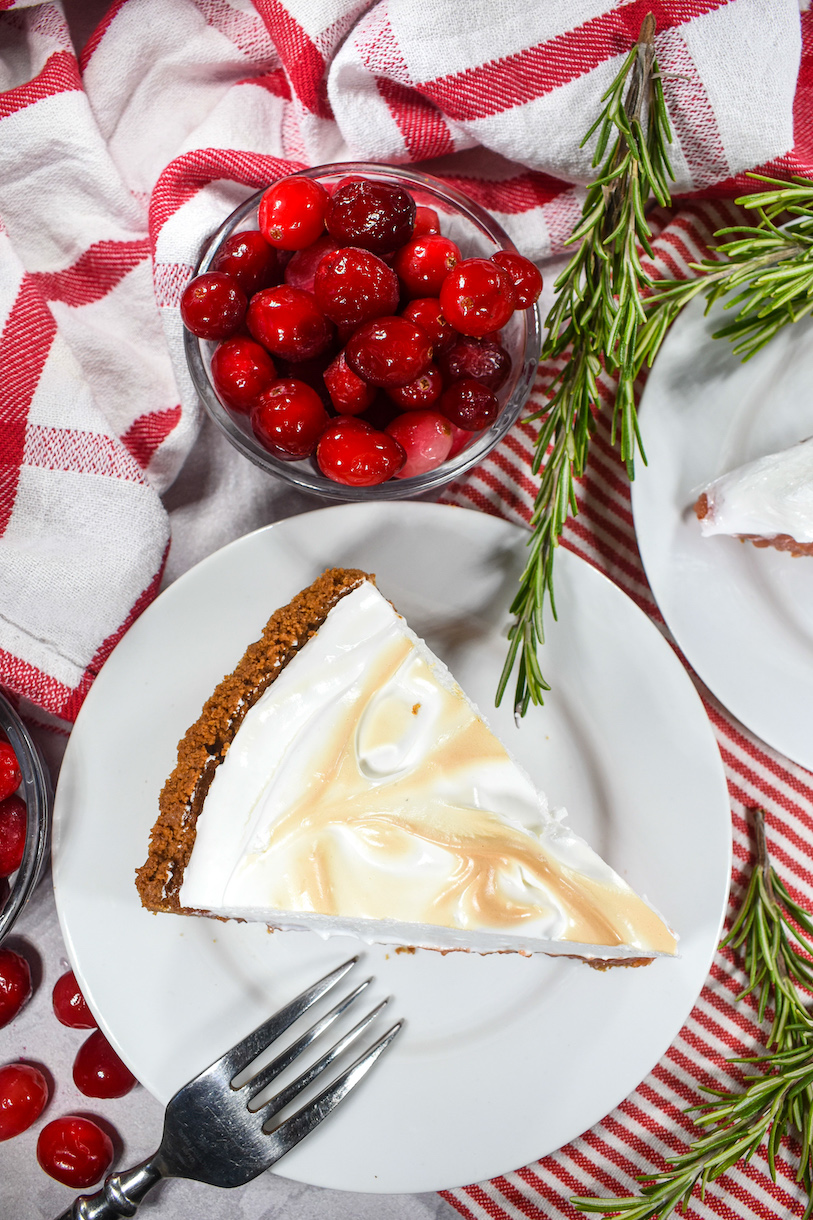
{"points": [[212, 1136]]}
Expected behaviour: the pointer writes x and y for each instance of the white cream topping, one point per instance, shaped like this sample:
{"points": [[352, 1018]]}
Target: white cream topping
{"points": [[768, 497], [363, 785]]}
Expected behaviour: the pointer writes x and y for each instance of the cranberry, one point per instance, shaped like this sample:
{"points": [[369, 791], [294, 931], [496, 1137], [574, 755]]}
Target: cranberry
{"points": [[74, 1151], [378, 216], [301, 269], [353, 286], [525, 276], [348, 393], [353, 453], [241, 370], [389, 351], [23, 1097], [98, 1071], [483, 360], [70, 1006], [248, 259], [289, 323], [426, 313], [426, 437], [288, 419], [426, 221], [15, 984], [423, 264], [461, 437], [470, 405], [292, 213], [10, 774], [477, 297], [213, 305], [422, 392], [13, 819]]}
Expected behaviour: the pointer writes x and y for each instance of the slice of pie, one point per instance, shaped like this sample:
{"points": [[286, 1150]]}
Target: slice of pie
{"points": [[339, 780], [768, 502]]}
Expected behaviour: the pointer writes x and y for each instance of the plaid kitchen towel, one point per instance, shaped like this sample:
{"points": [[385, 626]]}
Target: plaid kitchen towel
{"points": [[114, 166]]}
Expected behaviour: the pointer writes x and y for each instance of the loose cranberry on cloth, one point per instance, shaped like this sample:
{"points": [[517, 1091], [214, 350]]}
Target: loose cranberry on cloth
{"points": [[115, 168]]}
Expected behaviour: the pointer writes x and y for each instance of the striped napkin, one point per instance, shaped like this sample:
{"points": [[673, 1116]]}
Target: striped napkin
{"points": [[116, 164]]}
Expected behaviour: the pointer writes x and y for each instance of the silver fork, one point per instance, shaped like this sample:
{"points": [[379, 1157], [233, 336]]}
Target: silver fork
{"points": [[212, 1136]]}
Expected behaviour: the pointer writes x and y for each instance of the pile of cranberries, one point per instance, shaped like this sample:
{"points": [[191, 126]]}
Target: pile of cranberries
{"points": [[72, 1148], [351, 332]]}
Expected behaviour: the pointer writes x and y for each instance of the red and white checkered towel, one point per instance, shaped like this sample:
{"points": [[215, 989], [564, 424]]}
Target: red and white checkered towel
{"points": [[114, 166]]}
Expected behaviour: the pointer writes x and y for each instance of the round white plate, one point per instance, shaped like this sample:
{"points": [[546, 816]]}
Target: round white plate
{"points": [[742, 615], [503, 1059]]}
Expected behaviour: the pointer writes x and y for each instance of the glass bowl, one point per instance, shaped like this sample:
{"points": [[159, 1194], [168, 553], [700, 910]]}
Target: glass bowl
{"points": [[478, 236], [35, 790]]}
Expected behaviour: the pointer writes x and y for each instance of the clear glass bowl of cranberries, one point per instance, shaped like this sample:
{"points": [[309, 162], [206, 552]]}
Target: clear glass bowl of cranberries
{"points": [[25, 813], [362, 332]]}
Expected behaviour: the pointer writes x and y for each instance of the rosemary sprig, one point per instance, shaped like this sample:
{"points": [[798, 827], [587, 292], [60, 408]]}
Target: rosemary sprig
{"points": [[768, 269], [776, 937], [598, 313], [609, 314]]}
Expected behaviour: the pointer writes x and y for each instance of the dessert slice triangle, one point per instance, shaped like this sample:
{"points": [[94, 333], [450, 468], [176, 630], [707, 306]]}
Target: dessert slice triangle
{"points": [[340, 781]]}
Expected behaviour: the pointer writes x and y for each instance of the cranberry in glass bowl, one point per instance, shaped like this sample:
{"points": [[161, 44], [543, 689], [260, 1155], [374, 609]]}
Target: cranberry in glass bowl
{"points": [[369, 233], [31, 796]]}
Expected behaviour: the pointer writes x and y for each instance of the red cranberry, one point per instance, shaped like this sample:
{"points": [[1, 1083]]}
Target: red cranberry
{"points": [[288, 419], [241, 370], [301, 269], [70, 1006], [10, 774], [289, 323], [525, 276], [15, 984], [213, 306], [483, 360], [23, 1097], [378, 216], [420, 393], [292, 213], [75, 1151], [98, 1071], [353, 453], [423, 264], [13, 819], [248, 259], [426, 221], [470, 405], [389, 351], [426, 437], [426, 313], [353, 286], [348, 393], [477, 297]]}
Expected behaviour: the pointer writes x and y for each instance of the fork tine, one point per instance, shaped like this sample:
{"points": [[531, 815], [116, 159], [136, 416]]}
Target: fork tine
{"points": [[280, 1100], [288, 1134], [286, 1057], [240, 1055]]}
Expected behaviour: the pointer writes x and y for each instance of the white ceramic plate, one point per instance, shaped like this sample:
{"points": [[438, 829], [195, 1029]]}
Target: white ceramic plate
{"points": [[742, 615], [503, 1059]]}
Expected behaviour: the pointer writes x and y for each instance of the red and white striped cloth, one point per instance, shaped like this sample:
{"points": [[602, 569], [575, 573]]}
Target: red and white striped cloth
{"points": [[115, 165]]}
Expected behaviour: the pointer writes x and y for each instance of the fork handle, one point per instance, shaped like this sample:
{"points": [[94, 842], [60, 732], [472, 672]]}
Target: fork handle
{"points": [[120, 1196]]}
